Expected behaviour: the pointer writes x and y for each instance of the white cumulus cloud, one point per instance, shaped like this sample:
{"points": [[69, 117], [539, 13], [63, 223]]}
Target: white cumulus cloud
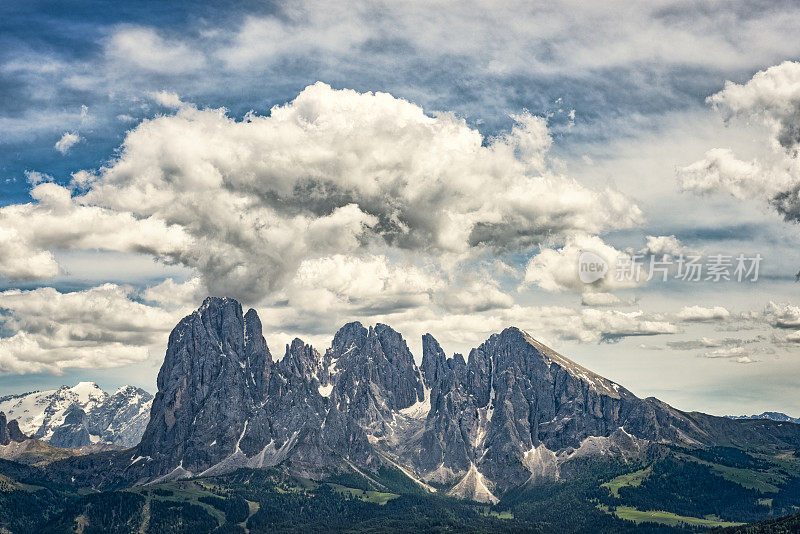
{"points": [[703, 314], [58, 221], [96, 328], [167, 99], [600, 299], [556, 269], [67, 141], [782, 315], [144, 49], [771, 98], [331, 172]]}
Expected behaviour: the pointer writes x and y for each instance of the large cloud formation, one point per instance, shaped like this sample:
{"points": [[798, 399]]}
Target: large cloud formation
{"points": [[245, 202], [771, 98], [91, 329], [58, 221], [556, 269]]}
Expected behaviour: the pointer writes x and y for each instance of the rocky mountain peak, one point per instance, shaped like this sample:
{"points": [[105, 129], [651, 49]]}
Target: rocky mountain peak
{"points": [[9, 431], [350, 335], [14, 432], [215, 372], [375, 371], [73, 432], [258, 360], [224, 319], [434, 361], [218, 303], [305, 361], [4, 438]]}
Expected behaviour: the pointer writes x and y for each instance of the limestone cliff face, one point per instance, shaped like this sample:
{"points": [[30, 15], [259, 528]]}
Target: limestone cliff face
{"points": [[373, 374], [514, 412], [222, 403], [4, 437], [214, 374]]}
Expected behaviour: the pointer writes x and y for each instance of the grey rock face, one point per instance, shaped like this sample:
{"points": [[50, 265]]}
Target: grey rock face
{"points": [[375, 374], [522, 410], [306, 425], [207, 387], [4, 437], [14, 433], [223, 404], [9, 431], [446, 444], [73, 432], [531, 396], [514, 412]]}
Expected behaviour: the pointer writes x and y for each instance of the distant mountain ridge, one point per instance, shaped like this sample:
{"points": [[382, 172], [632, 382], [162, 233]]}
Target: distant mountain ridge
{"points": [[81, 415], [514, 412], [771, 416], [23, 449]]}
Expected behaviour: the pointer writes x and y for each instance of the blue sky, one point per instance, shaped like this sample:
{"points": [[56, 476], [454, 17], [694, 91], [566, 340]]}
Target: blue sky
{"points": [[508, 139]]}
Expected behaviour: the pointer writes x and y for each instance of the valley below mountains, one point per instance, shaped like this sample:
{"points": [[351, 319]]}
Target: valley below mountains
{"points": [[514, 436]]}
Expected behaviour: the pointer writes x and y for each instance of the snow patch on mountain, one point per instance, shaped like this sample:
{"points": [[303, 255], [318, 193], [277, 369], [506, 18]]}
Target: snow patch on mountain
{"points": [[420, 409]]}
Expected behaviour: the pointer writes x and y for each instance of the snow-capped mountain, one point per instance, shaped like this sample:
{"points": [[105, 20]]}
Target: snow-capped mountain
{"points": [[81, 415]]}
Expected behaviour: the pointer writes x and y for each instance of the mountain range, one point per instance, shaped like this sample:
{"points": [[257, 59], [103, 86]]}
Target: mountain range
{"points": [[514, 412], [82, 415], [320, 439], [772, 416]]}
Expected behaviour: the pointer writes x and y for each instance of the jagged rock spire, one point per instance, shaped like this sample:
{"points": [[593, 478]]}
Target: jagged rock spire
{"points": [[9, 431], [4, 437]]}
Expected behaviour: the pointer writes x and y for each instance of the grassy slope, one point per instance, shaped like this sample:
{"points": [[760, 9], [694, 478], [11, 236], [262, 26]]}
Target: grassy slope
{"points": [[666, 518], [182, 491], [629, 479], [377, 497], [782, 525], [767, 480], [190, 491]]}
